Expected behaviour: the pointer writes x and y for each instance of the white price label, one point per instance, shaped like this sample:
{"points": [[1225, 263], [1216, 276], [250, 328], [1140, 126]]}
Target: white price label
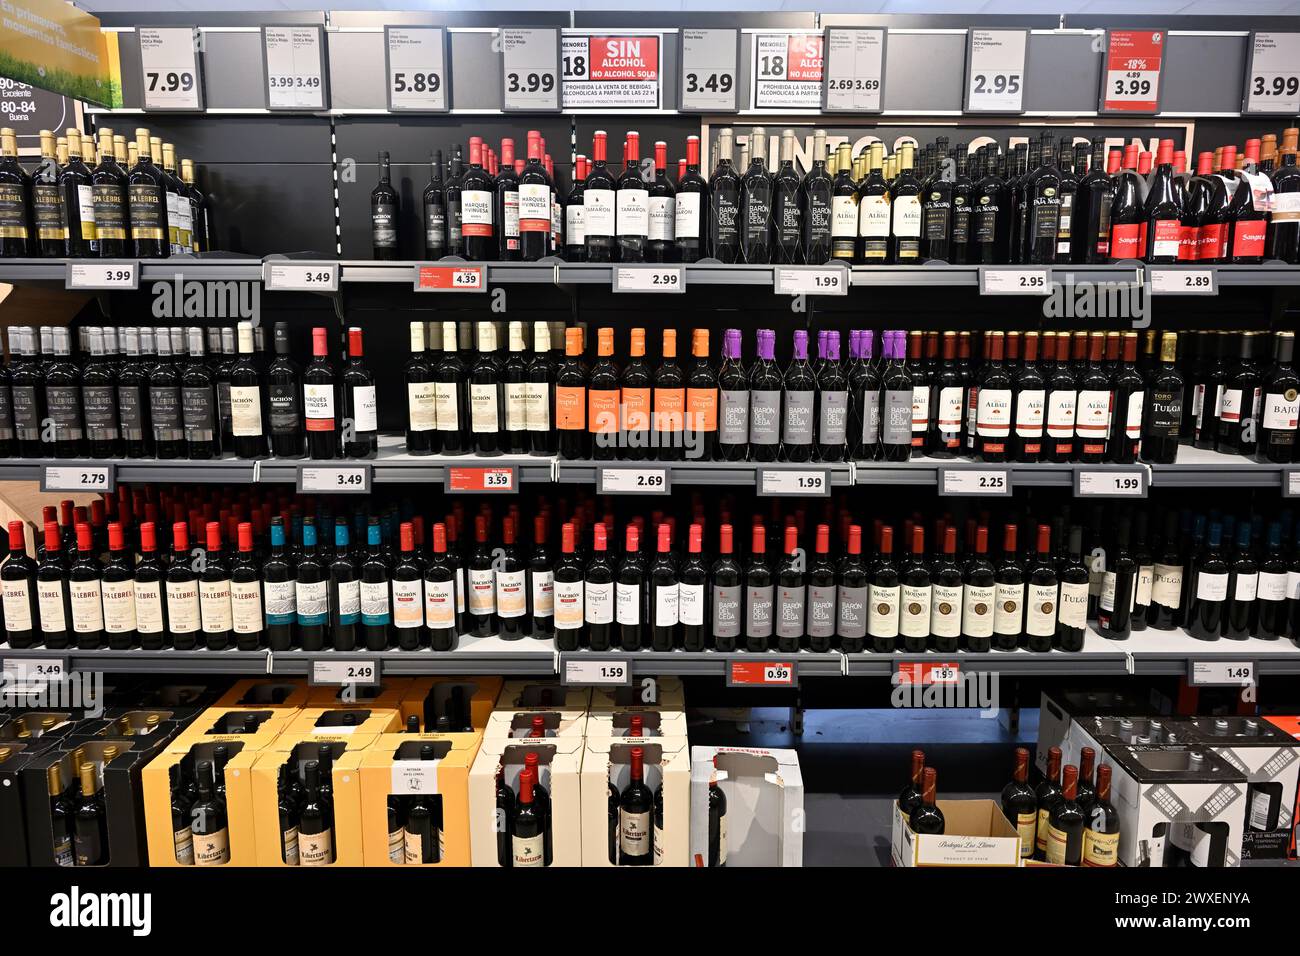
{"points": [[352, 479], [1222, 673], [35, 670], [607, 672], [974, 481], [300, 276], [1273, 80], [1112, 484], [1291, 483], [710, 61], [1014, 282], [810, 281], [295, 67], [633, 481], [530, 68], [1182, 281], [995, 74], [77, 478], [103, 275], [343, 672], [169, 68], [803, 483], [649, 279], [854, 69], [417, 68]]}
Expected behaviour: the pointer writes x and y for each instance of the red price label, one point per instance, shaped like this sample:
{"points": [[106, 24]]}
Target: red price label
{"points": [[762, 674], [1132, 76], [926, 674], [449, 279], [805, 51], [480, 479]]}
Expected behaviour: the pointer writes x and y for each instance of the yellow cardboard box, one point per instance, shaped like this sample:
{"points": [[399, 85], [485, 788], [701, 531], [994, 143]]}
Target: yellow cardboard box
{"points": [[280, 692], [432, 697], [225, 725], [344, 721], [387, 693]]}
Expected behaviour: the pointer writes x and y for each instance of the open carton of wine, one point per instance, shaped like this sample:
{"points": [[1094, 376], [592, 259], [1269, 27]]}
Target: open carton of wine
{"points": [[432, 697], [392, 774], [543, 695], [266, 692], [654, 723], [517, 724], [666, 763], [976, 833], [1290, 725], [226, 725], [644, 693], [560, 763], [764, 817], [1060, 711], [345, 721]]}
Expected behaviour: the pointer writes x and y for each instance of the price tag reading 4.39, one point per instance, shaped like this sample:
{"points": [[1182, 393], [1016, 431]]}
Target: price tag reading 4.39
{"points": [[349, 479], [633, 481], [343, 672], [605, 672], [449, 279], [814, 484], [762, 674], [78, 478]]}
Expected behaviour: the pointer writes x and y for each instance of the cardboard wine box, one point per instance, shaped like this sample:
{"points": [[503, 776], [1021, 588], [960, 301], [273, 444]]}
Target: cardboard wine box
{"points": [[1177, 806], [1058, 709], [267, 692], [336, 721], [392, 774], [1270, 760], [560, 764], [1101, 732], [464, 701], [654, 723], [44, 727], [338, 846], [226, 724], [542, 694], [1290, 725], [764, 800], [13, 838], [976, 833], [518, 724], [387, 693], [644, 693], [666, 764]]}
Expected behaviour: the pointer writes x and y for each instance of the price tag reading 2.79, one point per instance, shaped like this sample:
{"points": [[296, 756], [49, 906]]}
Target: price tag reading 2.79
{"points": [[352, 479], [78, 478]]}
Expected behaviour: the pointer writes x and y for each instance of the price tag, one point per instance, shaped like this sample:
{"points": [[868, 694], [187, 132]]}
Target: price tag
{"points": [[1131, 79], [925, 673], [606, 672], [786, 72], [803, 483], [1182, 281], [1291, 483], [1119, 483], [649, 279], [343, 672], [974, 481], [78, 478], [294, 57], [450, 278], [35, 670], [1221, 673], [633, 481], [416, 59], [995, 71], [530, 68], [334, 479], [169, 68], [610, 72], [498, 478], [710, 66], [300, 276], [854, 73], [810, 280], [105, 274], [1273, 78], [1014, 282], [762, 673]]}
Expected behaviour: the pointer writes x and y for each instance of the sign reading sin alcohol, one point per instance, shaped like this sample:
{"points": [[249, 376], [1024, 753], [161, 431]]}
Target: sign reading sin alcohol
{"points": [[604, 72]]}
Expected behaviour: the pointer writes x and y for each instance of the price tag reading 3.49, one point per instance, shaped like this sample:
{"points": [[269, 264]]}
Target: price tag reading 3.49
{"points": [[300, 276], [295, 67], [351, 479]]}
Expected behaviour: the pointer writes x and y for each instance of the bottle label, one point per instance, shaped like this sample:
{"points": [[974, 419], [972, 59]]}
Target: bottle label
{"points": [[599, 603], [663, 219], [421, 405], [527, 851], [603, 409], [986, 221], [439, 604], [1166, 238], [246, 606], [182, 840], [724, 219], [1126, 241], [27, 417], [281, 602], [312, 602], [286, 415], [1142, 592], [633, 833], [914, 618], [920, 415], [1057, 845], [510, 218], [1247, 587], [147, 211], [977, 614], [598, 206], [64, 405], [1211, 587], [318, 406], [570, 410], [734, 417], [637, 411], [832, 418], [49, 599], [1248, 237], [575, 216], [315, 849], [821, 610], [542, 584], [758, 216], [758, 610], [1282, 412], [667, 605], [907, 216], [883, 618], [535, 398], [1167, 585], [516, 406], [435, 227], [148, 607], [1073, 600], [482, 592], [1166, 413], [349, 601], [797, 424], [1060, 414], [702, 410], [534, 208], [87, 606], [109, 201], [854, 612], [945, 610], [568, 601], [690, 604], [196, 409], [183, 615], [669, 409], [6, 414], [483, 417], [873, 216], [212, 849], [1040, 610], [993, 419], [1029, 413], [1027, 828], [896, 424], [1008, 607], [1100, 849], [1092, 419], [1272, 586], [726, 610], [100, 403], [948, 409], [628, 599], [512, 594], [383, 225], [476, 213], [633, 212], [936, 217], [764, 417], [790, 611], [1231, 408], [870, 417], [246, 410], [844, 217], [17, 606], [119, 607], [447, 412], [365, 410], [374, 603], [687, 216]]}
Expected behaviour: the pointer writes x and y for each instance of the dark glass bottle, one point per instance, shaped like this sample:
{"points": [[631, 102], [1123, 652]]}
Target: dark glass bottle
{"points": [[1208, 588], [692, 592], [511, 574], [765, 388], [1209, 385], [53, 224], [759, 600], [798, 404], [422, 436], [916, 597], [1238, 426], [278, 588], [669, 402], [385, 214], [434, 202], [376, 592], [1163, 211], [344, 591], [315, 818], [733, 411], [285, 398], [897, 385], [724, 204], [1249, 222], [1283, 240], [1241, 610], [246, 400], [433, 610], [108, 184], [199, 401], [598, 200], [246, 593], [864, 398], [86, 591], [450, 393], [632, 200], [311, 591], [63, 400], [872, 211], [663, 596], [477, 221], [1163, 406], [360, 407], [661, 244], [1271, 598], [1092, 415], [1280, 406], [1066, 823], [979, 596], [573, 438], [506, 212], [885, 596], [905, 212], [485, 420], [575, 213], [53, 596], [481, 594], [1020, 805], [18, 576], [832, 410], [937, 208], [787, 206], [146, 186], [993, 415], [756, 203], [627, 412], [909, 798], [216, 619], [1090, 218], [725, 594], [815, 201], [791, 595], [1048, 793], [636, 804], [926, 817]]}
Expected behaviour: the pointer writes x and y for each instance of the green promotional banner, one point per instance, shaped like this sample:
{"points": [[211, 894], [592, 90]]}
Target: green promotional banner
{"points": [[53, 45]]}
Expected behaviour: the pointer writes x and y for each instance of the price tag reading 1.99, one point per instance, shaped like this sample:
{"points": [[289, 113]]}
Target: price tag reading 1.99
{"points": [[810, 281], [1130, 483], [772, 481]]}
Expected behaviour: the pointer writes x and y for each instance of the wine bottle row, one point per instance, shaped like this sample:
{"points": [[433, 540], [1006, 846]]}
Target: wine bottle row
{"points": [[1067, 819], [261, 572]]}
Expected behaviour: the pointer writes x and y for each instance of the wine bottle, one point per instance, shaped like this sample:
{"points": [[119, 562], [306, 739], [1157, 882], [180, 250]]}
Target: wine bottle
{"points": [[422, 435], [669, 402], [344, 591], [384, 214], [1241, 611], [598, 202], [439, 614], [1048, 793], [86, 592], [1065, 823], [478, 222], [979, 596], [481, 588], [1208, 590], [897, 387], [632, 219], [765, 387], [18, 580], [885, 596], [733, 414], [1280, 405], [636, 803], [692, 201], [1020, 805], [798, 403], [375, 592], [724, 204], [926, 817], [665, 608], [1072, 617], [759, 595], [311, 591]]}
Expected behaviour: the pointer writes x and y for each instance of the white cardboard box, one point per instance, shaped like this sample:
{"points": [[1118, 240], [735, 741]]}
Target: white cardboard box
{"points": [[1057, 710], [654, 723], [560, 762], [542, 694], [518, 724], [666, 764], [976, 833], [765, 813]]}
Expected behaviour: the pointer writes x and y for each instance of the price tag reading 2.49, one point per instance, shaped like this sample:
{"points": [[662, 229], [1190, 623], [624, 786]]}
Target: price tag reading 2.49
{"points": [[343, 672]]}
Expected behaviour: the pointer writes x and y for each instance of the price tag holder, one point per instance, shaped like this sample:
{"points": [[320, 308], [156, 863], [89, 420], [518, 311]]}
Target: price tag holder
{"points": [[1273, 74], [993, 482], [340, 673], [649, 279], [810, 280], [415, 61], [786, 71], [925, 673], [1014, 282], [802, 483], [496, 478], [762, 673], [710, 71], [439, 278], [596, 672], [995, 71], [294, 58], [282, 276], [1130, 81], [530, 69], [1221, 673], [1111, 483], [1183, 281], [633, 481], [35, 670], [79, 478], [1291, 482], [169, 68], [104, 274], [854, 72], [335, 479]]}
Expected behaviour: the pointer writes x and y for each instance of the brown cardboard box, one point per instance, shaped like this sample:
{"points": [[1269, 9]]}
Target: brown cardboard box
{"points": [[267, 692], [344, 721], [387, 693], [976, 833], [667, 763], [560, 761], [654, 723], [224, 725], [542, 694], [432, 697]]}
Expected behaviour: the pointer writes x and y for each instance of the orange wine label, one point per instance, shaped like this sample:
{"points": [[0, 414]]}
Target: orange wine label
{"points": [[670, 409], [636, 409], [702, 403], [570, 404], [602, 411]]}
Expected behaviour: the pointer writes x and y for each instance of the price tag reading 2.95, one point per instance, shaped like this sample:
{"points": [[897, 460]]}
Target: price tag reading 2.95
{"points": [[343, 672], [352, 479], [815, 484], [1014, 282], [633, 481]]}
